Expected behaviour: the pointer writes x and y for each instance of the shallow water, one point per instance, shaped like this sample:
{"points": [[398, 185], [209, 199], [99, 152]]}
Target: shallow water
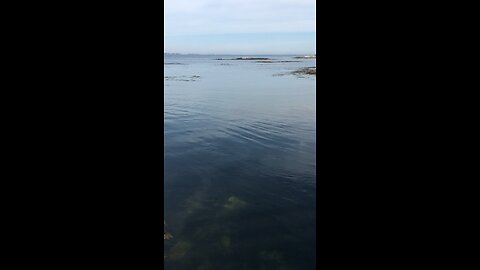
{"points": [[239, 164]]}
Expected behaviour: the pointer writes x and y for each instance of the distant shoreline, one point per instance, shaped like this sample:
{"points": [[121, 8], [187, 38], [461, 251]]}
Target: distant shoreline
{"points": [[242, 55]]}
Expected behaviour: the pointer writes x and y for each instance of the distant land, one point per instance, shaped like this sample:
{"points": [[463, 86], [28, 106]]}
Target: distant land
{"points": [[302, 55]]}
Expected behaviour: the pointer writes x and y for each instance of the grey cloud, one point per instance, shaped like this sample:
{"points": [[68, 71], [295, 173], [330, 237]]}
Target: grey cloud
{"points": [[183, 17]]}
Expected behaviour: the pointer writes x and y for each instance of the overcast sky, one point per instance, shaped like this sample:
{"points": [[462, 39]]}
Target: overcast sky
{"points": [[240, 26]]}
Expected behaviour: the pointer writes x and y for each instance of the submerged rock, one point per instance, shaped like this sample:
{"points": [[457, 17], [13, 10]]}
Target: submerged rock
{"points": [[226, 242], [179, 250], [234, 203], [166, 235]]}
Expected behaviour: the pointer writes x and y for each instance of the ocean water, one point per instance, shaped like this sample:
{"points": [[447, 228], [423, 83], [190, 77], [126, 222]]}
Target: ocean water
{"points": [[240, 164]]}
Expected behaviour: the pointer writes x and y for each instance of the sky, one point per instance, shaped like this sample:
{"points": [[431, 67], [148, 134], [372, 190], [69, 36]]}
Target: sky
{"points": [[240, 26]]}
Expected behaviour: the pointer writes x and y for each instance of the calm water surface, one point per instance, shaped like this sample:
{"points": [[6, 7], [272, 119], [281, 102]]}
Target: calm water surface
{"points": [[239, 164]]}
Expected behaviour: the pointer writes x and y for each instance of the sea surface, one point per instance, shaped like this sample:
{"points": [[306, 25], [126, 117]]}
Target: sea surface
{"points": [[240, 164]]}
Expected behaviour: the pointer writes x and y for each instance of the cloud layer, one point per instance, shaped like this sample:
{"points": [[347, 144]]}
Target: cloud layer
{"points": [[217, 17], [238, 16]]}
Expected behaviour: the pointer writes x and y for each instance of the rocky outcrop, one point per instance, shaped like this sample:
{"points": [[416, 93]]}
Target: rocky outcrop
{"points": [[245, 58], [306, 71]]}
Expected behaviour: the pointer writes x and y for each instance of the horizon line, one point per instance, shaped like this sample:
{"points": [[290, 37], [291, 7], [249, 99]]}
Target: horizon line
{"points": [[239, 53]]}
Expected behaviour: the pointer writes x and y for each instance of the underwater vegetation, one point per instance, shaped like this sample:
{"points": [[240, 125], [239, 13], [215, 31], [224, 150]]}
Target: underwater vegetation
{"points": [[239, 163]]}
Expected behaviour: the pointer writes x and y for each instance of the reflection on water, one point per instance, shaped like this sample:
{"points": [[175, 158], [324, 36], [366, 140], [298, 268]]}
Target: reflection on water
{"points": [[239, 164]]}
